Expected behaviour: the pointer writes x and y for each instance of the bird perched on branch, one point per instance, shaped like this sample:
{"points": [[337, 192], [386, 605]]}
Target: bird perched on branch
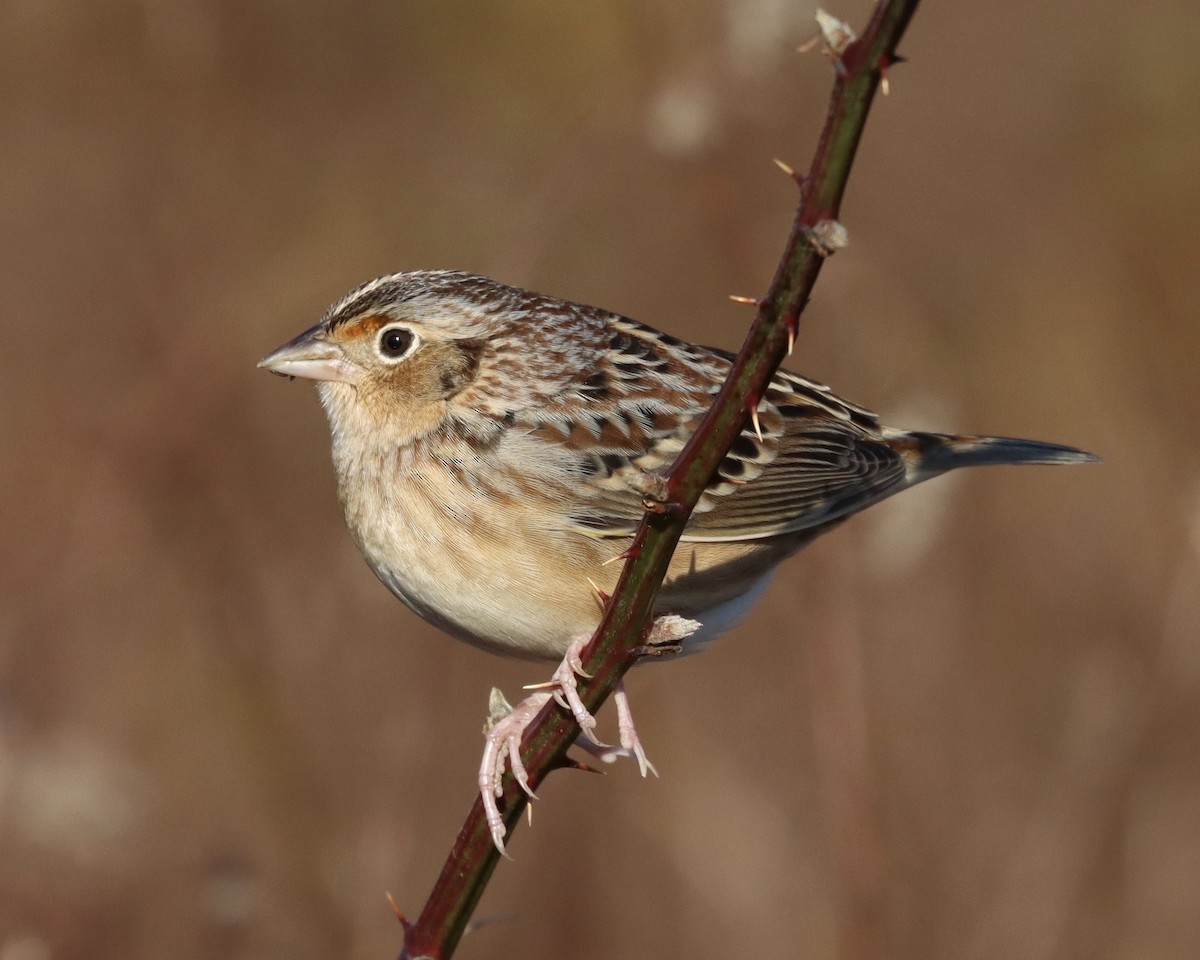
{"points": [[493, 448]]}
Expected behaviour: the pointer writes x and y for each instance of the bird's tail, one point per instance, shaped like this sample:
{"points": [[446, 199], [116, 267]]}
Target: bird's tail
{"points": [[938, 452]]}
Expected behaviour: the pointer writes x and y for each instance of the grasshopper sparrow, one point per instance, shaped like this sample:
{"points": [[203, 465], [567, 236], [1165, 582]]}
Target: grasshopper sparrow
{"points": [[492, 447]]}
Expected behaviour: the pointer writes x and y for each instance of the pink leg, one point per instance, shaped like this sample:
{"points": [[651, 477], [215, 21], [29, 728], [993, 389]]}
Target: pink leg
{"points": [[505, 729], [503, 739], [504, 732], [630, 746], [627, 733], [566, 690]]}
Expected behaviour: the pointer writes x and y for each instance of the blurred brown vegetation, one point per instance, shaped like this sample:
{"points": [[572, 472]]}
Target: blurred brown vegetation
{"points": [[965, 725]]}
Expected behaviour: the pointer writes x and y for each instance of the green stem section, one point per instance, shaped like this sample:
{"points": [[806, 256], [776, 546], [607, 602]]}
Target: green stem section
{"points": [[627, 615]]}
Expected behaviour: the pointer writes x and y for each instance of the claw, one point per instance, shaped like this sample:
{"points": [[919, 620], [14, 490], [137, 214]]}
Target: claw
{"points": [[503, 739], [568, 688], [630, 746], [627, 732], [506, 726]]}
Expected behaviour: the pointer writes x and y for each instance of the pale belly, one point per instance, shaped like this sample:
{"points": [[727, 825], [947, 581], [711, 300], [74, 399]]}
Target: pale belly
{"points": [[490, 577], [502, 580]]}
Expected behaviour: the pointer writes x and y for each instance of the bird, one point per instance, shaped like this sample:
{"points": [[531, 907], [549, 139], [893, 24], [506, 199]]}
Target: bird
{"points": [[493, 447]]}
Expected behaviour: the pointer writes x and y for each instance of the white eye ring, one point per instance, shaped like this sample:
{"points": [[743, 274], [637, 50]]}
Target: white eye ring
{"points": [[395, 342]]}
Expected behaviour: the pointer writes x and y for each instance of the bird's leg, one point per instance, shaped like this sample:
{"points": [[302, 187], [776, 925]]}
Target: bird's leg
{"points": [[666, 637], [502, 737], [630, 746], [503, 732], [627, 733], [567, 689], [506, 725]]}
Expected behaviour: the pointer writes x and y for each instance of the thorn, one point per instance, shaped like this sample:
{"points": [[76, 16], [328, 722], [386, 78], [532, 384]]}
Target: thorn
{"points": [[529, 815], [570, 763], [600, 594], [885, 64], [654, 505], [486, 922], [623, 555], [793, 324], [749, 301], [809, 43], [752, 403], [396, 910], [662, 508], [544, 685], [798, 178]]}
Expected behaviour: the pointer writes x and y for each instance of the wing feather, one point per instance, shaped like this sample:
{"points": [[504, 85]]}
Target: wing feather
{"points": [[819, 458]]}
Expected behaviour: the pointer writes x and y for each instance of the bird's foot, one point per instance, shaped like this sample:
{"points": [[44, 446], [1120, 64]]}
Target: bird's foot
{"points": [[630, 746], [506, 725], [565, 687], [502, 738]]}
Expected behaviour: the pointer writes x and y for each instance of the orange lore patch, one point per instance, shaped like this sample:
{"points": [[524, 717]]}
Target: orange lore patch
{"points": [[365, 326]]}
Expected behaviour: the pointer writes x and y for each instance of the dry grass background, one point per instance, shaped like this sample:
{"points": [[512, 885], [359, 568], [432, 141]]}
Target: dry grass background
{"points": [[968, 720]]}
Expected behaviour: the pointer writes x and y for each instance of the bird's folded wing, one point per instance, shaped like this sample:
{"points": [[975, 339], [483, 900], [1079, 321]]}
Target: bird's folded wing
{"points": [[811, 478]]}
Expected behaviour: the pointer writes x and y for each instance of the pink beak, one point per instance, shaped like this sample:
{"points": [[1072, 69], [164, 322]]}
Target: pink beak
{"points": [[312, 357]]}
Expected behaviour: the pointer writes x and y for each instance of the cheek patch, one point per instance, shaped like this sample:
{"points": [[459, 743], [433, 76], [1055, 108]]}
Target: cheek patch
{"points": [[459, 366]]}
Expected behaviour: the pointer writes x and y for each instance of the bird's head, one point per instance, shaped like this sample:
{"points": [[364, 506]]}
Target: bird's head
{"points": [[397, 357]]}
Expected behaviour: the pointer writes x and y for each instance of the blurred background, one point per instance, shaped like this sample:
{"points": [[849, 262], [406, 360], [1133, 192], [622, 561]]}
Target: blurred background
{"points": [[964, 726]]}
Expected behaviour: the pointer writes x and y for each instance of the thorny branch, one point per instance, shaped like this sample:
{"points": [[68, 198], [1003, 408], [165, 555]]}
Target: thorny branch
{"points": [[860, 67]]}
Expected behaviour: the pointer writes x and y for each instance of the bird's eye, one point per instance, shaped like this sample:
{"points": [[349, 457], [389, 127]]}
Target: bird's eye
{"points": [[396, 343]]}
